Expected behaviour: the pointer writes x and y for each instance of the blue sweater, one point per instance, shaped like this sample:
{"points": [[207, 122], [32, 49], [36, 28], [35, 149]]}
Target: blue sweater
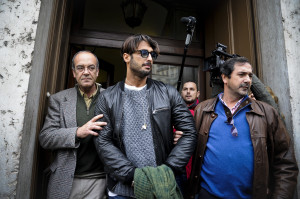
{"points": [[227, 170]]}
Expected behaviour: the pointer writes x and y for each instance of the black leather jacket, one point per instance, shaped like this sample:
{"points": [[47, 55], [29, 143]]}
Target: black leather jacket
{"points": [[167, 109]]}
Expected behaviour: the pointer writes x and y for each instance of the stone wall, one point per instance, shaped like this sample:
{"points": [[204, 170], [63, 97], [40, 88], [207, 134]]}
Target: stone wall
{"points": [[278, 27], [18, 26], [291, 27]]}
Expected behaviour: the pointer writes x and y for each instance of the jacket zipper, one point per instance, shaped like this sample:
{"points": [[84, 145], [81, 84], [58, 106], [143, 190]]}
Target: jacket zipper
{"points": [[155, 142], [160, 109], [119, 122]]}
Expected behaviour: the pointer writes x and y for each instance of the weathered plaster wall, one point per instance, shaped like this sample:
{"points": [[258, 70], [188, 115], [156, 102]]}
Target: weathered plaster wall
{"points": [[291, 27], [274, 63], [17, 37], [279, 29]]}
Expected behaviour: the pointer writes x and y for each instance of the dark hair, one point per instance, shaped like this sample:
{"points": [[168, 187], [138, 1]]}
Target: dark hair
{"points": [[131, 44], [84, 51], [191, 82], [228, 66]]}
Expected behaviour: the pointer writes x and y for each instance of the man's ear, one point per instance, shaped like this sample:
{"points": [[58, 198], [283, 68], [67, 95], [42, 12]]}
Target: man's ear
{"points": [[224, 78], [98, 71], [126, 57], [198, 93], [74, 74]]}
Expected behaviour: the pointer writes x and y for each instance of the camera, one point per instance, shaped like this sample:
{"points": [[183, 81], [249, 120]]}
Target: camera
{"points": [[212, 64]]}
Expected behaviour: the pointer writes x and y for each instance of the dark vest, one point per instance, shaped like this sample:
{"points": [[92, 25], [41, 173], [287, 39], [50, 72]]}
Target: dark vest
{"points": [[87, 157]]}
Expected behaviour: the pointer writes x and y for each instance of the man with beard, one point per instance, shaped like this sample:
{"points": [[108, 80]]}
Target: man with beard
{"points": [[190, 94], [243, 150], [140, 113]]}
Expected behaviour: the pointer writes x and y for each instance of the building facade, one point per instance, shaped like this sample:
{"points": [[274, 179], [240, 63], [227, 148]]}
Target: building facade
{"points": [[38, 37]]}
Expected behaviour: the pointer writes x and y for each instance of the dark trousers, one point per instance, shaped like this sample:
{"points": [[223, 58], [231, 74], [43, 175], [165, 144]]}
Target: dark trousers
{"points": [[181, 181], [203, 194], [119, 197]]}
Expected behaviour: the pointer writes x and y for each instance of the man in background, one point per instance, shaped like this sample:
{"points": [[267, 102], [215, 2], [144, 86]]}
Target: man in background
{"points": [[77, 171], [190, 95]]}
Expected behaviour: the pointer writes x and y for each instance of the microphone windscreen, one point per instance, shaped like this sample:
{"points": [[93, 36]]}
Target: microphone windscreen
{"points": [[185, 19], [189, 19]]}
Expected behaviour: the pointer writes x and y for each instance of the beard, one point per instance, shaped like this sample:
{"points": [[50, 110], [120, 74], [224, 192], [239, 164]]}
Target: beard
{"points": [[190, 101], [138, 70], [239, 91], [244, 92]]}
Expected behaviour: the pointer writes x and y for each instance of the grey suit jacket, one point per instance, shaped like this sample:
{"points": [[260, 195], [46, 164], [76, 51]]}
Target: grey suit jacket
{"points": [[58, 134]]}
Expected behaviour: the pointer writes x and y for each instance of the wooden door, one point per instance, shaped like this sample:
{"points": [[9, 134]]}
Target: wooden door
{"points": [[230, 22], [54, 80]]}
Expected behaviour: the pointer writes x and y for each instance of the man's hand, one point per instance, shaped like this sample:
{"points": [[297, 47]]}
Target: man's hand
{"points": [[251, 95], [177, 136], [91, 125]]}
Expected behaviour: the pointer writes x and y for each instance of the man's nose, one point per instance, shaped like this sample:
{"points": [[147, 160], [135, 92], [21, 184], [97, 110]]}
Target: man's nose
{"points": [[150, 57], [248, 79], [86, 70]]}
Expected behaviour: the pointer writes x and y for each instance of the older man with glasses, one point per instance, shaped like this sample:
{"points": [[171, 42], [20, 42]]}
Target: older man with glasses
{"points": [[69, 128], [137, 144], [243, 150]]}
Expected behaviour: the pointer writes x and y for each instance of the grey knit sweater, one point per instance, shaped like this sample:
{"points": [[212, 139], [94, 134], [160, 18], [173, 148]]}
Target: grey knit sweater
{"points": [[138, 141]]}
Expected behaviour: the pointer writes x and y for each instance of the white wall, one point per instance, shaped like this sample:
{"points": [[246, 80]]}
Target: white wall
{"points": [[279, 37], [18, 26], [291, 26], [274, 63]]}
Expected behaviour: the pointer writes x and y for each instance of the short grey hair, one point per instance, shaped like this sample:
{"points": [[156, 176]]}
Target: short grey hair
{"points": [[84, 51]]}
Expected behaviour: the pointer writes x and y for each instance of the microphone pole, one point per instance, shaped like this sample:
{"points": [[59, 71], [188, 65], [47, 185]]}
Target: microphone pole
{"points": [[182, 66], [191, 22]]}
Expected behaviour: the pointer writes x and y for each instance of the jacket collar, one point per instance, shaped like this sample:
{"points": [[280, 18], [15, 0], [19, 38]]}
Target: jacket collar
{"points": [[69, 107], [211, 106], [253, 104], [255, 108], [149, 83]]}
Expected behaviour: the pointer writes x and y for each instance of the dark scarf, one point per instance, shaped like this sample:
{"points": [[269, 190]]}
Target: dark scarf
{"points": [[193, 105]]}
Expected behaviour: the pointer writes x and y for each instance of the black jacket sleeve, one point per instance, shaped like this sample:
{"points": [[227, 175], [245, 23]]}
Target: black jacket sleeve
{"points": [[183, 121], [116, 163]]}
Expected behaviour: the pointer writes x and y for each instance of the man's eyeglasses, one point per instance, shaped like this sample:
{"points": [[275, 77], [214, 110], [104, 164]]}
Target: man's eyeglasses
{"points": [[91, 68], [145, 54], [234, 131]]}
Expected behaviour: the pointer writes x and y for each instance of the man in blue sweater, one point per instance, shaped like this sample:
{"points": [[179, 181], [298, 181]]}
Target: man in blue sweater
{"points": [[243, 150]]}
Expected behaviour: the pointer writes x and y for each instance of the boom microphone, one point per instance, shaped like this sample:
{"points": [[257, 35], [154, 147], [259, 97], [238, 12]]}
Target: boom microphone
{"points": [[190, 21]]}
